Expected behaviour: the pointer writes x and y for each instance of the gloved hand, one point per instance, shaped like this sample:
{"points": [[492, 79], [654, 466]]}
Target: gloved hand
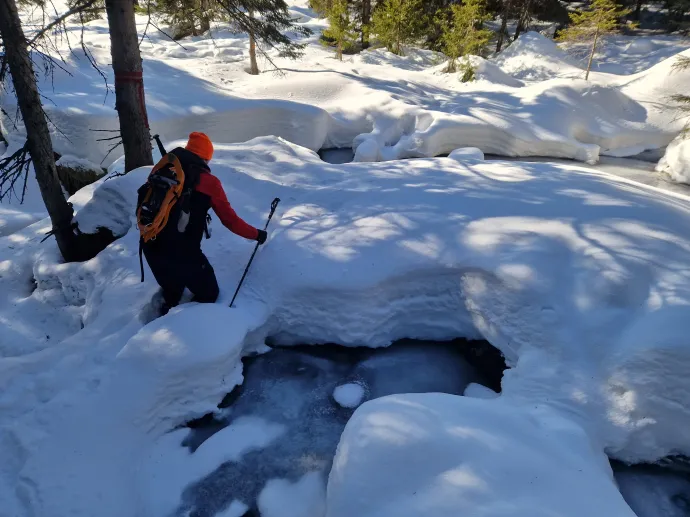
{"points": [[261, 238]]}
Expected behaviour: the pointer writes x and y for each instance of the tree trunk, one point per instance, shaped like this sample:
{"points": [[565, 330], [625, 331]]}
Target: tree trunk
{"points": [[638, 10], [253, 66], [366, 19], [591, 54], [522, 19], [204, 19], [339, 51], [37, 132], [502, 31], [130, 101]]}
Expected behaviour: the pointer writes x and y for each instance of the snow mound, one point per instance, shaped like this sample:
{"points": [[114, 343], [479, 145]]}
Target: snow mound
{"points": [[489, 71], [349, 395], [414, 58], [676, 161], [443, 455], [653, 89], [534, 57], [478, 391], [568, 119], [467, 153]]}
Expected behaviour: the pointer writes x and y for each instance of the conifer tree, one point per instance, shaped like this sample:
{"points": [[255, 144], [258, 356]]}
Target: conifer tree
{"points": [[398, 23], [464, 32], [603, 17], [681, 101], [341, 27]]}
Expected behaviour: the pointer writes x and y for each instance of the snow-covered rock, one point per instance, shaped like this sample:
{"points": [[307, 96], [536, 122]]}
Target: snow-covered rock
{"points": [[443, 455], [349, 395], [676, 160]]}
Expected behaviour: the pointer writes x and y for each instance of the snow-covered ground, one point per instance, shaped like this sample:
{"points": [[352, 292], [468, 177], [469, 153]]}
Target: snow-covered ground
{"points": [[579, 277], [529, 101]]}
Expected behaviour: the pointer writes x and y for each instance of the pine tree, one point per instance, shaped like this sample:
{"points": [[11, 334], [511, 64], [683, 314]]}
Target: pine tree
{"points": [[681, 101], [602, 18], [270, 23], [398, 23], [341, 27], [464, 33]]}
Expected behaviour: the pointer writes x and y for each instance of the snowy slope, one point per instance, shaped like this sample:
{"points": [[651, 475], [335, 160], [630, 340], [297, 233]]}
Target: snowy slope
{"points": [[579, 278]]}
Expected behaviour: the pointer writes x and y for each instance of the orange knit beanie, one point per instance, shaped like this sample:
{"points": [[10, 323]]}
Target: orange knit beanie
{"points": [[201, 145]]}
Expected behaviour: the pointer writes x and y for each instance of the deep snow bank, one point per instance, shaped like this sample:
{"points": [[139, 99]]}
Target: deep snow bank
{"points": [[579, 278], [676, 161], [443, 455]]}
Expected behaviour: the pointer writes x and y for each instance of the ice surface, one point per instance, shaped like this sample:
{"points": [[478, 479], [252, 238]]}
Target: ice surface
{"points": [[443, 455], [349, 395], [654, 492], [293, 389]]}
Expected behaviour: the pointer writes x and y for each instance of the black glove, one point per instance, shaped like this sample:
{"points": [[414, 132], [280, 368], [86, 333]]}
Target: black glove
{"points": [[261, 238]]}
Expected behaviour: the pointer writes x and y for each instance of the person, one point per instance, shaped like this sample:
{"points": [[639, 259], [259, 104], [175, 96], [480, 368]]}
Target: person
{"points": [[175, 258]]}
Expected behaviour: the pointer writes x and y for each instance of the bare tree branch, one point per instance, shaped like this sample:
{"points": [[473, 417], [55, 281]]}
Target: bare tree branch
{"points": [[57, 21], [13, 169]]}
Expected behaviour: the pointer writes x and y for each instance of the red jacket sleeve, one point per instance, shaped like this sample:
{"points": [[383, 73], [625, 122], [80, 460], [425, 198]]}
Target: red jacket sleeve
{"points": [[212, 187]]}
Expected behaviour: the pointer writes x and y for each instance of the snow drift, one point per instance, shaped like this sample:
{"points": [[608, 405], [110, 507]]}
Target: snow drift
{"points": [[676, 161], [436, 454]]}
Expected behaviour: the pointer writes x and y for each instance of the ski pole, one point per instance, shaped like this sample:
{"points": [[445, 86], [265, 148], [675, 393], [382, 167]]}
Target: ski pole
{"points": [[274, 205], [160, 145]]}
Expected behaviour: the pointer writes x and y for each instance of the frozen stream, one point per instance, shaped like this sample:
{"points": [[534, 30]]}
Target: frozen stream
{"points": [[640, 169], [294, 388], [297, 390]]}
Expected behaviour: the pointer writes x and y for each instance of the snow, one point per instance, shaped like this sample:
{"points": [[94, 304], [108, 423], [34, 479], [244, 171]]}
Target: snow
{"points": [[579, 278], [169, 468], [467, 153], [304, 498], [478, 391], [437, 454], [676, 161], [349, 395], [78, 163]]}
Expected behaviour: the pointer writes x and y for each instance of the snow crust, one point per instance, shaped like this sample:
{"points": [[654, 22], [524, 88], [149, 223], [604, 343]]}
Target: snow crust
{"points": [[436, 454]]}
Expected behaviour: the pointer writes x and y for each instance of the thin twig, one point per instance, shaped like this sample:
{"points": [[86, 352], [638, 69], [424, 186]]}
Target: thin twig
{"points": [[118, 144], [148, 22], [167, 35]]}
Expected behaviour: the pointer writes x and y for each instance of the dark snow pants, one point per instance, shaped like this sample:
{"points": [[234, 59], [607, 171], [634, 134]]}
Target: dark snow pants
{"points": [[175, 270]]}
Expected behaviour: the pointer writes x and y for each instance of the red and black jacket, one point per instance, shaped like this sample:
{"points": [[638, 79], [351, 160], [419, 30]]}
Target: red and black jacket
{"points": [[208, 193]]}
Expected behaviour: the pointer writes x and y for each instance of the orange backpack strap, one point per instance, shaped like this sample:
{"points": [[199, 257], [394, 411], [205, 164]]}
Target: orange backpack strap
{"points": [[174, 186]]}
